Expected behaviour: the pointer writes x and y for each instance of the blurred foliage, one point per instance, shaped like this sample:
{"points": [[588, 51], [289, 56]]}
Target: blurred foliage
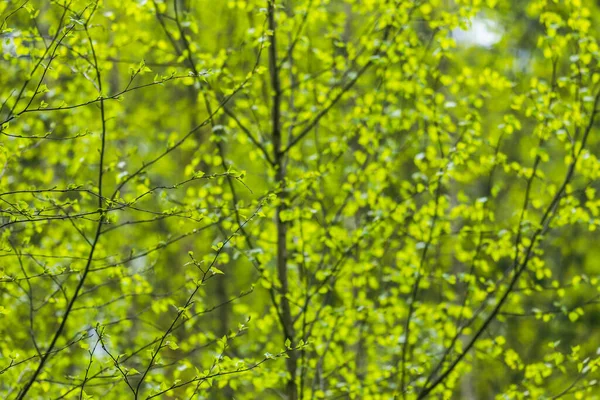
{"points": [[300, 199]]}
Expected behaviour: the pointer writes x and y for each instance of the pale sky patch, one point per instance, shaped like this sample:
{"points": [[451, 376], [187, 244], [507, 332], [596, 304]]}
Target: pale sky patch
{"points": [[482, 32]]}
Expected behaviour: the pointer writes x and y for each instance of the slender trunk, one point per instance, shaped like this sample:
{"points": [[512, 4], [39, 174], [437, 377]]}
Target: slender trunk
{"points": [[288, 324]]}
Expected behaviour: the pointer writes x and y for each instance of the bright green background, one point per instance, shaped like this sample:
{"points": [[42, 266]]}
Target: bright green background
{"points": [[399, 201]]}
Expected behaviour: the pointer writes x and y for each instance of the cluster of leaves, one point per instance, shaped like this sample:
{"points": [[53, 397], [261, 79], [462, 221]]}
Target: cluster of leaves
{"points": [[303, 199]]}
